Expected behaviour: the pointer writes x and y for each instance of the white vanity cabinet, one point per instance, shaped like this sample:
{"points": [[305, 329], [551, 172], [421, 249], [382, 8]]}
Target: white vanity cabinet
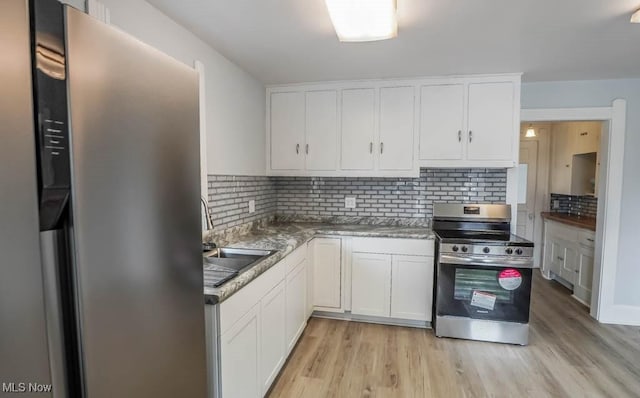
{"points": [[569, 257]]}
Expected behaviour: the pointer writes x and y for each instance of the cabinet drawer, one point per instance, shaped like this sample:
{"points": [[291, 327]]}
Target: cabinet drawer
{"points": [[296, 257], [241, 302], [562, 231], [411, 247], [587, 238]]}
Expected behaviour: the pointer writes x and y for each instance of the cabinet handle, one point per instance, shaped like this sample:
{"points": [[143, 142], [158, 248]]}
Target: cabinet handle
{"points": [[306, 148], [470, 135], [560, 258], [371, 147], [590, 240], [381, 147], [459, 135], [297, 149]]}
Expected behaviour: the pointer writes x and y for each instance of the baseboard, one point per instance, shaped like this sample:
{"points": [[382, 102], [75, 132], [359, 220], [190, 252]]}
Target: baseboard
{"points": [[348, 316], [621, 315], [581, 301]]}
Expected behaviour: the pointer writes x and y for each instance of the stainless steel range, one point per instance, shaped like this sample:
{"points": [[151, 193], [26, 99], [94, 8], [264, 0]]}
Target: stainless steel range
{"points": [[483, 274]]}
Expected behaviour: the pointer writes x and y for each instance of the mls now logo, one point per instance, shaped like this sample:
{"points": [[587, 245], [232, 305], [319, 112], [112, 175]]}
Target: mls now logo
{"points": [[26, 387]]}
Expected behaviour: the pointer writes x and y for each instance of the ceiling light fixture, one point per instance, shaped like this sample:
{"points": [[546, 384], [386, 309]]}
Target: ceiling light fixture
{"points": [[635, 18], [531, 132], [363, 20]]}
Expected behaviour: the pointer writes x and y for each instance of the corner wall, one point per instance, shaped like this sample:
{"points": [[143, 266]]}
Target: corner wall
{"points": [[235, 105]]}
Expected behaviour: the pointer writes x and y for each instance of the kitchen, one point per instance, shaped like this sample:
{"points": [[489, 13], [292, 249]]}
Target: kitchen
{"points": [[291, 164]]}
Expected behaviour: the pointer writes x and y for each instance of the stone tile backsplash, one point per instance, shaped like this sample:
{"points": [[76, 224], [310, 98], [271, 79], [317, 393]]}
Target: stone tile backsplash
{"points": [[317, 198], [388, 197], [575, 205], [229, 198]]}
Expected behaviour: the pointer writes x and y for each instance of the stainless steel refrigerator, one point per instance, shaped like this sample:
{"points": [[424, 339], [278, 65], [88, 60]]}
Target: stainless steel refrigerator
{"points": [[101, 285]]}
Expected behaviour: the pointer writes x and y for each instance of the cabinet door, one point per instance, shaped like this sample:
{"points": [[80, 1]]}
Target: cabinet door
{"points": [[358, 126], [326, 273], [556, 255], [239, 350], [296, 317], [491, 130], [570, 264], [586, 136], [561, 159], [272, 335], [371, 284], [412, 287], [321, 130], [397, 109], [584, 279], [287, 131], [441, 122]]}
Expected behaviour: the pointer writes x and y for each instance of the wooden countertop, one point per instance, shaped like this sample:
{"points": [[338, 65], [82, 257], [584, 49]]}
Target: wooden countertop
{"points": [[575, 221]]}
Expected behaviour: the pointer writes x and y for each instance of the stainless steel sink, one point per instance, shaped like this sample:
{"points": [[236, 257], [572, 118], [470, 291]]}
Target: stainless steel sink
{"points": [[225, 263]]}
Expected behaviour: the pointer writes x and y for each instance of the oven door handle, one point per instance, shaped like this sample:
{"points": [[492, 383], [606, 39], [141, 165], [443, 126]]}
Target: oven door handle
{"points": [[485, 261]]}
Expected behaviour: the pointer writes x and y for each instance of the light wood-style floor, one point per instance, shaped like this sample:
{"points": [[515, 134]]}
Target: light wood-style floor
{"points": [[569, 355]]}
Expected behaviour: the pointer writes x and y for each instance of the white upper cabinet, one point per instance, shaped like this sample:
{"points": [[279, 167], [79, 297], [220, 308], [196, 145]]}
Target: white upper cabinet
{"points": [[470, 122], [358, 125], [396, 138], [491, 128], [287, 130], [321, 130], [391, 128], [442, 122]]}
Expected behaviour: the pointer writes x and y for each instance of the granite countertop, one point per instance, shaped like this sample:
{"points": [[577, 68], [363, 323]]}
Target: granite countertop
{"points": [[286, 237], [573, 220]]}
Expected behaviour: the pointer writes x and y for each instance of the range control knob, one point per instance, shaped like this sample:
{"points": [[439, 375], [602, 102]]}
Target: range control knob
{"points": [[454, 248], [518, 251], [486, 250], [464, 249], [509, 250]]}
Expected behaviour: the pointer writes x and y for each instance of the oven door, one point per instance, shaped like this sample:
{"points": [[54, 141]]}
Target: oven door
{"points": [[500, 292]]}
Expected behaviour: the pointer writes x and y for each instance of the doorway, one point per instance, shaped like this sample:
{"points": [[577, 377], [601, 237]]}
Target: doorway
{"points": [[603, 306]]}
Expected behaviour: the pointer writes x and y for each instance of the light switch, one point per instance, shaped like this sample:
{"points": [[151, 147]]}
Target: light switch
{"points": [[252, 206]]}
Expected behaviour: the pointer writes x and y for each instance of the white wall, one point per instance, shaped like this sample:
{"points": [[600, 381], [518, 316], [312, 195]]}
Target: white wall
{"points": [[79, 4], [235, 104], [602, 93]]}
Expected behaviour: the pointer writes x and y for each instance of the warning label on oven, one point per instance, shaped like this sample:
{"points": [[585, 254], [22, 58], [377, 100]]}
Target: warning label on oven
{"points": [[483, 300], [510, 279]]}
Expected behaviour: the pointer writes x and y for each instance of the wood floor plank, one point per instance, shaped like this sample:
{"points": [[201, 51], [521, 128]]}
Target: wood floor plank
{"points": [[569, 355]]}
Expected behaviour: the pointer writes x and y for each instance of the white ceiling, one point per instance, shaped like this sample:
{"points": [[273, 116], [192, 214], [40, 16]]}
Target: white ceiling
{"points": [[286, 41]]}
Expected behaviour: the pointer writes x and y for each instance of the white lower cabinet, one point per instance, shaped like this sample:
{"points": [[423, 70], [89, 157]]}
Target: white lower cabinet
{"points": [[259, 325], [392, 278], [239, 353], [412, 287], [370, 284], [569, 255], [327, 274], [584, 281], [296, 311], [272, 335]]}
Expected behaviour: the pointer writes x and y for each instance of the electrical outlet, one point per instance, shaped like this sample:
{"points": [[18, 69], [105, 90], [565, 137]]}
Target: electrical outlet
{"points": [[350, 202], [252, 206], [556, 204]]}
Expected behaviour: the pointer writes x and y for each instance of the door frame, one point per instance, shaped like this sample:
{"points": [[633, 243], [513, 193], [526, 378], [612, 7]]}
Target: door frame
{"points": [[535, 190], [603, 307]]}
